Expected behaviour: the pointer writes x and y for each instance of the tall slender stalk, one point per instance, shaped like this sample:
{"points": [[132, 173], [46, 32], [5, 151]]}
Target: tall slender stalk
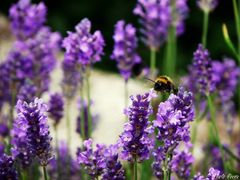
{"points": [[153, 60], [68, 123], [217, 137], [237, 24], [45, 173], [205, 28], [57, 149], [170, 62], [12, 107], [82, 123], [135, 169], [126, 93], [24, 175], [237, 21], [89, 102]]}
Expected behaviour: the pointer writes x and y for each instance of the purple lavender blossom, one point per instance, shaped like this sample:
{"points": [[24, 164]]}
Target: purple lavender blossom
{"points": [[212, 175], [83, 46], [31, 133], [27, 19], [179, 14], [201, 72], [63, 159], [27, 92], [4, 131], [42, 49], [2, 148], [7, 170], [155, 17], [172, 123], [225, 75], [82, 108], [173, 119], [181, 163], [113, 169], [135, 141], [207, 5], [19, 66], [93, 161], [56, 108], [125, 48], [215, 158], [4, 84]]}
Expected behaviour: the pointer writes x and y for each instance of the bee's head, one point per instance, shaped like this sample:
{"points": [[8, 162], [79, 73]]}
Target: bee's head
{"points": [[157, 86]]}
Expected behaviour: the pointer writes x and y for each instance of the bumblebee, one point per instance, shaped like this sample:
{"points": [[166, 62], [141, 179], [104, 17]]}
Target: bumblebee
{"points": [[164, 84]]}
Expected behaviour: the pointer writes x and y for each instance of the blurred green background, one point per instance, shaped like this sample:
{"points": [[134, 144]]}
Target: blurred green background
{"points": [[64, 15]]}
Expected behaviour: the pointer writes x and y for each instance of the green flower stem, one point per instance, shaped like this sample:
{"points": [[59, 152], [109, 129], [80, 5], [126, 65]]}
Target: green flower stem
{"points": [[205, 28], [68, 123], [89, 103], [135, 169], [57, 149], [12, 107], [82, 114], [170, 63], [152, 60], [45, 173], [126, 93], [165, 176], [24, 175], [237, 23], [227, 150], [217, 137]]}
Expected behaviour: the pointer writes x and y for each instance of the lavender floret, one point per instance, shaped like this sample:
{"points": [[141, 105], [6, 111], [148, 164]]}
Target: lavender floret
{"points": [[125, 48], [135, 141]]}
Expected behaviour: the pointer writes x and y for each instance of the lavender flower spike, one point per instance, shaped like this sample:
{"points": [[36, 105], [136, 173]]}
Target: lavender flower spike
{"points": [[113, 169], [212, 175], [7, 170], [83, 46], [93, 161], [201, 71], [56, 108], [31, 128], [155, 17], [27, 19], [125, 48], [135, 140], [181, 163], [172, 123]]}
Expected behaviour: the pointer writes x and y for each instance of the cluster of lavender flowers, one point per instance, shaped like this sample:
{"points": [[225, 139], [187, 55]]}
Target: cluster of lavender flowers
{"points": [[157, 16], [172, 123], [56, 108], [26, 74], [83, 49], [30, 133], [212, 174], [208, 76], [101, 161], [30, 61], [125, 48], [136, 140]]}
